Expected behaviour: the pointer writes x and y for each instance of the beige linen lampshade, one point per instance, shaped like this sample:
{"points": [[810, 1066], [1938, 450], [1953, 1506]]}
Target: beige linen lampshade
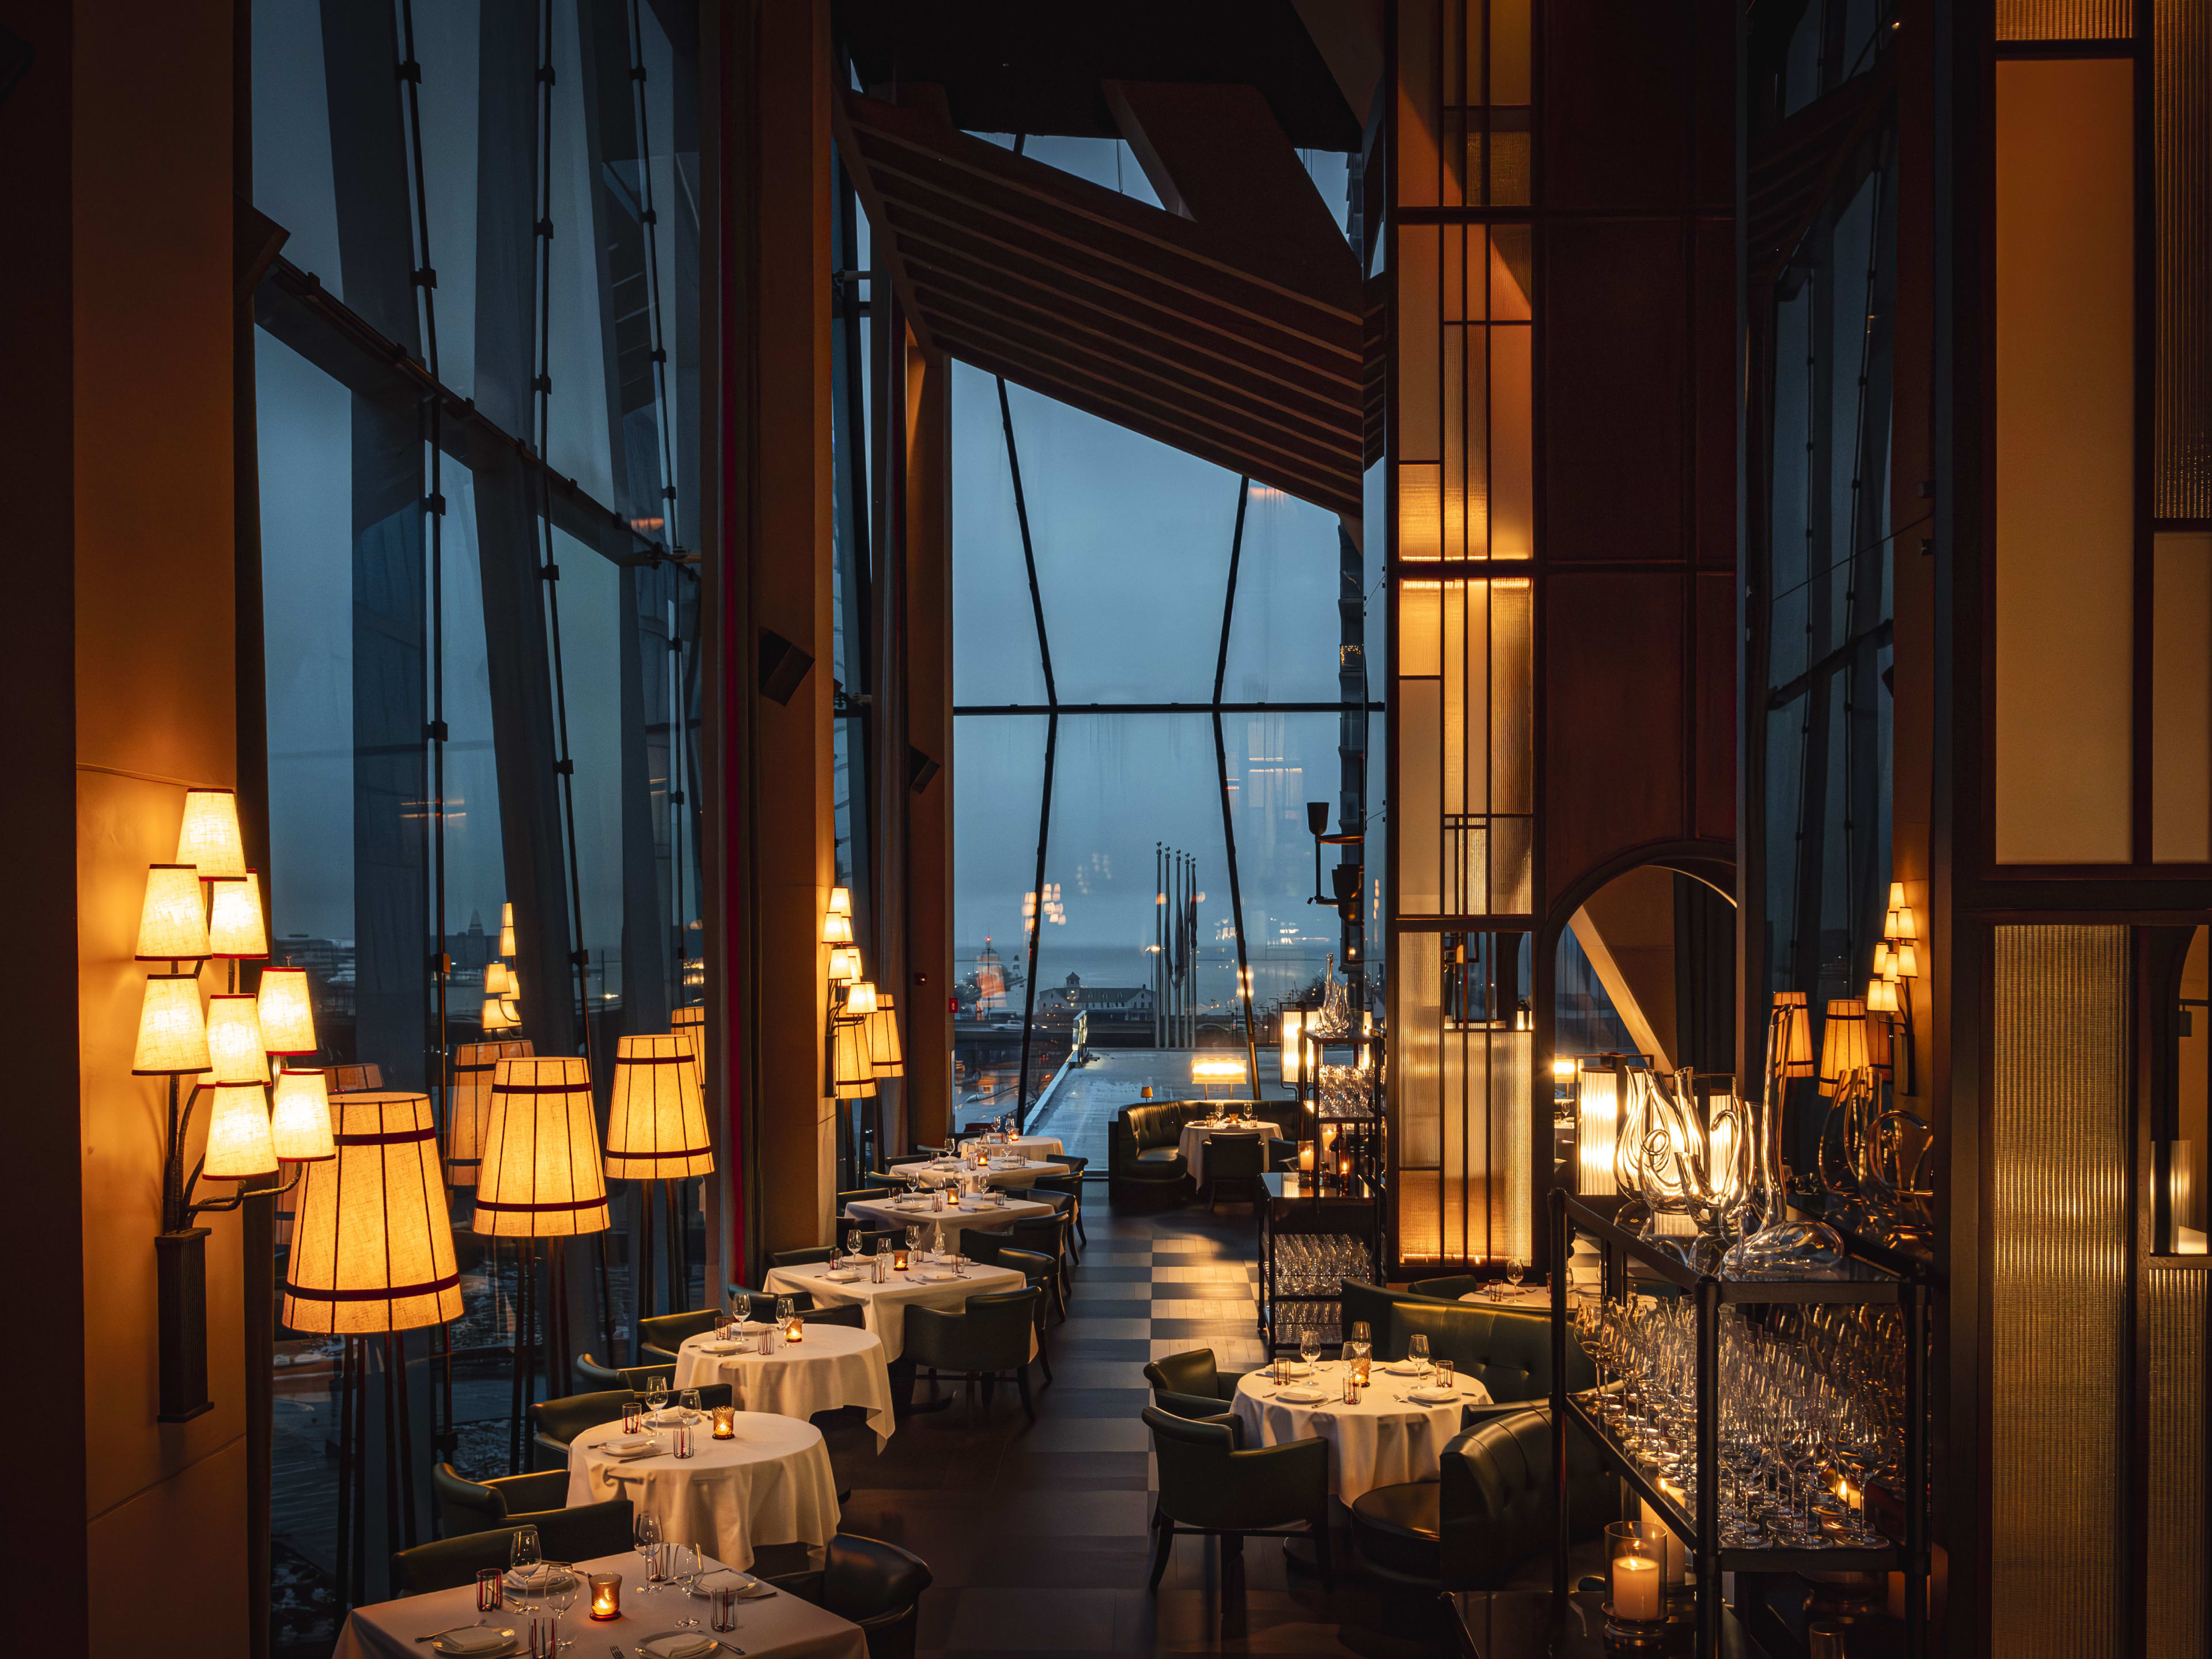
{"points": [[860, 999], [474, 1063], [840, 901], [299, 1116], [238, 1140], [172, 1031], [236, 926], [1797, 1037], [371, 1249], [499, 1014], [499, 980], [541, 1177], [507, 930], [287, 1012], [208, 838], [844, 964], [173, 923], [884, 1050], [851, 1060], [233, 1040], [836, 929], [1843, 1043], [657, 1119], [690, 1025]]}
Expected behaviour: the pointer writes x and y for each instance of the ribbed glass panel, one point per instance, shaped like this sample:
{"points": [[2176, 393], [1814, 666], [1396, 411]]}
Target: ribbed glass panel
{"points": [[2182, 102], [2065, 20], [2058, 1150], [2179, 1616]]}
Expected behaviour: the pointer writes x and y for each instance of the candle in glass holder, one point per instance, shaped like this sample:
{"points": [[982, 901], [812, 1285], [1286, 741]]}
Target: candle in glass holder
{"points": [[726, 1422], [1636, 1573], [898, 1260], [606, 1595], [795, 1331]]}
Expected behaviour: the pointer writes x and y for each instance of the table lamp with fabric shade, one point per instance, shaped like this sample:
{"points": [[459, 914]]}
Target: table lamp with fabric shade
{"points": [[656, 1120], [469, 1116], [208, 838], [299, 1116], [541, 1177], [236, 927], [239, 1144], [372, 1246], [173, 920], [1843, 1043], [287, 1007]]}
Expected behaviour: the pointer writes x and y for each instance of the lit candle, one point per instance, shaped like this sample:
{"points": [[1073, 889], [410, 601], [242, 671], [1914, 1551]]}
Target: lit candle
{"points": [[1677, 1559], [1636, 1587], [795, 1330], [606, 1594], [898, 1260], [726, 1422]]}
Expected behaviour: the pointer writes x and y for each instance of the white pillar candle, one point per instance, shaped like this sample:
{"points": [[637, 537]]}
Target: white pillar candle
{"points": [[1635, 1587]]}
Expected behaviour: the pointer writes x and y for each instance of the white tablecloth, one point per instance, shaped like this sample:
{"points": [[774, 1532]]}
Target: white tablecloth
{"points": [[779, 1626], [834, 1365], [771, 1484], [1009, 1172], [1383, 1440], [1195, 1135], [1034, 1146], [893, 1213], [1527, 1297], [884, 1306]]}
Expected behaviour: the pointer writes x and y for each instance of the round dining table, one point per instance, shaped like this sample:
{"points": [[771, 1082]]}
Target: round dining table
{"points": [[771, 1485], [1384, 1440], [883, 1307], [830, 1366], [1000, 1172], [952, 1220], [1196, 1134]]}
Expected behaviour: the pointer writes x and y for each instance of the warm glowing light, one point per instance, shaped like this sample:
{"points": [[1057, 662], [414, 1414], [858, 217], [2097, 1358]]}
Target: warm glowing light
{"points": [[851, 1060], [1905, 956], [1217, 1071], [372, 1248], [1881, 997], [1843, 1043], [1562, 1069], [860, 999], [172, 1031], [690, 1025], [1897, 896], [500, 1015], [841, 901], [656, 1120], [287, 1012], [1902, 925], [1880, 956], [469, 1116], [844, 964], [238, 1140], [209, 839], [300, 1117], [499, 980], [884, 1050], [235, 926], [836, 929], [1794, 1044], [507, 930], [1597, 1130], [1293, 1022], [173, 923], [233, 1040], [541, 1177]]}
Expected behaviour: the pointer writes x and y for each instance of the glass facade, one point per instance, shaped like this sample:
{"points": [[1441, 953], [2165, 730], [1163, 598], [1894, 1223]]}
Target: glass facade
{"points": [[476, 380]]}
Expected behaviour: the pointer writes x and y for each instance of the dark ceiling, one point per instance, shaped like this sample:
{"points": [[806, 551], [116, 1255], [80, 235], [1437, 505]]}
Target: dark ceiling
{"points": [[1034, 66]]}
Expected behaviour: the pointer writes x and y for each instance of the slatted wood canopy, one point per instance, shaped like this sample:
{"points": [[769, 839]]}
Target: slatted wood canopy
{"points": [[1159, 323]]}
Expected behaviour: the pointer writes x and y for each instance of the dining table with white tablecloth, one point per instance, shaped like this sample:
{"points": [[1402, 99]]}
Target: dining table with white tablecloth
{"points": [[780, 1625], [828, 1367], [772, 1484], [999, 1172], [1196, 1134], [883, 1307], [953, 1220], [1385, 1439]]}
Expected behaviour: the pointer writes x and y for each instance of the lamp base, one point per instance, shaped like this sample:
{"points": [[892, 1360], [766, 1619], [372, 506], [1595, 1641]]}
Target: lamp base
{"points": [[181, 1302]]}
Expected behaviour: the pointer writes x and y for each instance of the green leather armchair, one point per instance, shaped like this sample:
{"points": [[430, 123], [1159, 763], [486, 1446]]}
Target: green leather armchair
{"points": [[1448, 1289], [1492, 1509], [660, 1336], [1188, 1385], [559, 1421], [465, 1506], [1508, 1350], [582, 1534], [1143, 1143], [990, 1339], [760, 1305], [1208, 1484]]}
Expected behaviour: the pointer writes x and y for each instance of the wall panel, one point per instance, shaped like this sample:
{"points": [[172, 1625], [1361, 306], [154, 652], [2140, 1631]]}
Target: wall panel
{"points": [[1613, 727], [2179, 1622]]}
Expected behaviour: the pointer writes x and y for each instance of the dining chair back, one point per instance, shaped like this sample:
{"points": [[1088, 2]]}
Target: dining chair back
{"points": [[1208, 1484], [801, 1258], [987, 1340], [559, 1421], [581, 1534], [466, 1505], [838, 1313], [878, 1587]]}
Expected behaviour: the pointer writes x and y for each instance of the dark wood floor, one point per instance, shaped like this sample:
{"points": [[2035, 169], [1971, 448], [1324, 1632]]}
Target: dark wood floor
{"points": [[1036, 1534]]}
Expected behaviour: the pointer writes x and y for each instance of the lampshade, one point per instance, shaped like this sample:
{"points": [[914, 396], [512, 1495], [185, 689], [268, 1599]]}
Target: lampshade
{"points": [[840, 901], [657, 1120], [210, 840], [861, 999], [1881, 996], [238, 1140], [499, 1014], [1880, 956], [507, 930], [1897, 896], [690, 1025], [1905, 956], [1902, 925], [233, 1039], [1597, 1129], [1795, 1039], [1293, 1021], [365, 1079], [287, 1012], [836, 929], [173, 923], [851, 1060], [541, 1177], [1843, 1041], [299, 1116], [235, 927], [371, 1249], [470, 1113], [883, 1049], [844, 965], [172, 1031], [1216, 1068], [499, 980]]}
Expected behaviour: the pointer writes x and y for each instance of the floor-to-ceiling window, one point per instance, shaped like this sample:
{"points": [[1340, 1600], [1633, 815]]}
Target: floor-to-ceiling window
{"points": [[477, 380]]}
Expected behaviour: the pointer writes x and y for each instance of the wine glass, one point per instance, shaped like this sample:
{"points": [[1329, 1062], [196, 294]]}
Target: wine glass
{"points": [[656, 1393], [1310, 1348], [1516, 1271], [691, 1409], [563, 1583], [525, 1554], [1417, 1351], [645, 1533], [914, 1241], [785, 1310], [684, 1566]]}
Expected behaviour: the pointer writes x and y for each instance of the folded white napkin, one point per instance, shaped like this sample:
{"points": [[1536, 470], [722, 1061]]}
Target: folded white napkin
{"points": [[678, 1644], [474, 1638], [843, 1275], [1434, 1395], [748, 1588], [932, 1274], [1302, 1396]]}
